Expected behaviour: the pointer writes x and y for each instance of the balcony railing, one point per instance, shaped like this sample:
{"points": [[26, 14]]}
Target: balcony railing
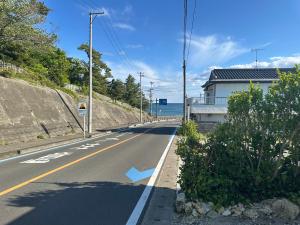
{"points": [[207, 101]]}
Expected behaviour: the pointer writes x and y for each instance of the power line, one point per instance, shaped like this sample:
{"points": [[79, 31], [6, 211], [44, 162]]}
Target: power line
{"points": [[112, 37], [192, 27], [184, 28]]}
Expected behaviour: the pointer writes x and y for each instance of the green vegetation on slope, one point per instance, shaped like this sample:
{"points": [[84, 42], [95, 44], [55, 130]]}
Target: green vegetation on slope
{"points": [[25, 45]]}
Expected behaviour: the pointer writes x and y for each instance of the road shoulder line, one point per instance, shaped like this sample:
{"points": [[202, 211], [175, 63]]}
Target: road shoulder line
{"points": [[136, 213]]}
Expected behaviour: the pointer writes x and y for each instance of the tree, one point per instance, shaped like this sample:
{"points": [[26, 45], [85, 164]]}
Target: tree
{"points": [[78, 69], [131, 95], [58, 66], [116, 90], [100, 71], [19, 20]]}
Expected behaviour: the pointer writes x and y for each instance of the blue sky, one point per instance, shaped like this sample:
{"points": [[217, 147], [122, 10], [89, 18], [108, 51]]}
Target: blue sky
{"points": [[147, 36]]}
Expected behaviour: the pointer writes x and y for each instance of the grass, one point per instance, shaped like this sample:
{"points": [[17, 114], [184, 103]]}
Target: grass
{"points": [[40, 80], [40, 136], [37, 80]]}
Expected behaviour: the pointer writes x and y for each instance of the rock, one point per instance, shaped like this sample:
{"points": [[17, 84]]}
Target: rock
{"points": [[202, 208], [211, 204], [266, 210], [188, 208], [221, 210], [238, 209], [195, 213], [212, 214], [180, 203], [268, 202], [250, 213], [227, 212], [285, 209]]}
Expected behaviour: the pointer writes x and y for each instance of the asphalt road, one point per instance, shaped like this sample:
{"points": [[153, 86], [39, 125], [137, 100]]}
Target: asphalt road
{"points": [[82, 183]]}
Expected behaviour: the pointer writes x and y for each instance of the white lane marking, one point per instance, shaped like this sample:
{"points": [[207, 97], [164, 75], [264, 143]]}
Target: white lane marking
{"points": [[112, 139], [84, 147], [92, 145], [138, 209], [47, 158], [120, 135], [50, 149]]}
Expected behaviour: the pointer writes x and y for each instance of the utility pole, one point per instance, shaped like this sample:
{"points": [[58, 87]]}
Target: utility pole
{"points": [[184, 57], [90, 112], [256, 51], [151, 89], [184, 91], [141, 97]]}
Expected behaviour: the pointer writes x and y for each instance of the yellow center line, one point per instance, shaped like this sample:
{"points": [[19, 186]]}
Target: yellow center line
{"points": [[18, 186]]}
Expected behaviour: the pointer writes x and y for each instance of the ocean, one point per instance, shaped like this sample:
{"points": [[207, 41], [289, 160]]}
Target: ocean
{"points": [[171, 109]]}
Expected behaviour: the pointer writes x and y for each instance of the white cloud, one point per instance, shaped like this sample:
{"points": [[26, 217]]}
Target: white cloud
{"points": [[167, 82], [128, 10], [207, 50], [124, 26], [134, 46], [122, 52], [273, 62]]}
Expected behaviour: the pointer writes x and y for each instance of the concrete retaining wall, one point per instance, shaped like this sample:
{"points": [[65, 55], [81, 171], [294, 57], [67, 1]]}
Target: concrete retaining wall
{"points": [[29, 112]]}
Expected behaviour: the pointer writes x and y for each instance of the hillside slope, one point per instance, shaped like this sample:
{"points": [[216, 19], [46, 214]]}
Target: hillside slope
{"points": [[29, 112]]}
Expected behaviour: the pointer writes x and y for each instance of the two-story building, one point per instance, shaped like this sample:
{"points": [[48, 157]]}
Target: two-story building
{"points": [[211, 107]]}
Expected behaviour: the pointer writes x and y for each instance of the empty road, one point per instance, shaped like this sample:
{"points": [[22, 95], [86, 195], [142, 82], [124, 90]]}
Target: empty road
{"points": [[97, 182]]}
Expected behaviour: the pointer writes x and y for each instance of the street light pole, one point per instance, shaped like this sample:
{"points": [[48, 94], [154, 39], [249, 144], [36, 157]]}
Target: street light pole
{"points": [[90, 112], [141, 98]]}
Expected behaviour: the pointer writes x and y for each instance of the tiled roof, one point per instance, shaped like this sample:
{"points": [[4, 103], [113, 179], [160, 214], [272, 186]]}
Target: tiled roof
{"points": [[240, 75]]}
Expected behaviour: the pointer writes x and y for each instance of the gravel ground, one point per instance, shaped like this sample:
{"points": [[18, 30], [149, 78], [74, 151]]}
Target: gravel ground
{"points": [[189, 220]]}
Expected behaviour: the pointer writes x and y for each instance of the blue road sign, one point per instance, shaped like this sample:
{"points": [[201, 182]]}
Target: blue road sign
{"points": [[163, 101]]}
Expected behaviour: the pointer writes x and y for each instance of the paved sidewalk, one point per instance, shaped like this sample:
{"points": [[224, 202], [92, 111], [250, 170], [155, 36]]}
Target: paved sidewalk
{"points": [[160, 210]]}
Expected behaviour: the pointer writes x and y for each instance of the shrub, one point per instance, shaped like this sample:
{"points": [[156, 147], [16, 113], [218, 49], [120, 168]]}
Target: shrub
{"points": [[254, 155], [6, 73]]}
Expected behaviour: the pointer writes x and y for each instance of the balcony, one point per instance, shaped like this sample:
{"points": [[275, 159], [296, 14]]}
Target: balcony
{"points": [[207, 105], [208, 100]]}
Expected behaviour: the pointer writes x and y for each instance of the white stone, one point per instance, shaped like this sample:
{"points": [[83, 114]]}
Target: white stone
{"points": [[221, 210], [250, 213], [180, 203], [212, 214], [226, 212], [202, 208], [285, 209], [238, 209], [188, 208], [195, 213], [266, 210]]}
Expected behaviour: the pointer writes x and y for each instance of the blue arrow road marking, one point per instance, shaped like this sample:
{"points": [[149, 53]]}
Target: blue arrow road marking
{"points": [[135, 175]]}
